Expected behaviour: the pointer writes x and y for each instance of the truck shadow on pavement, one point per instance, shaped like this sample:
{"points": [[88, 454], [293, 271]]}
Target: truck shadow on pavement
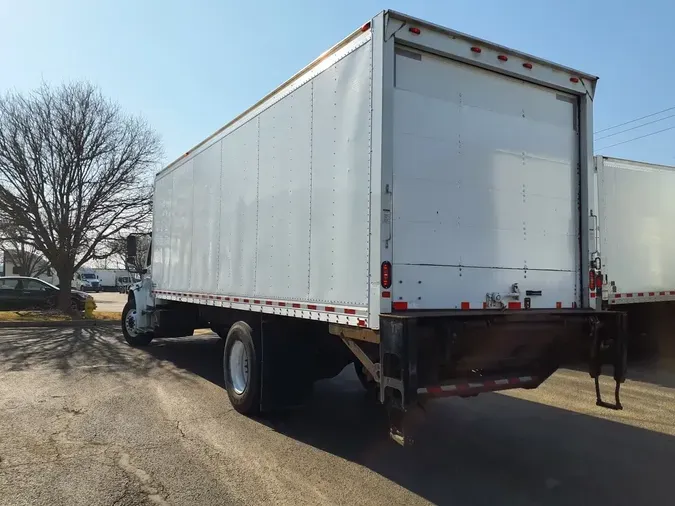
{"points": [[493, 449]]}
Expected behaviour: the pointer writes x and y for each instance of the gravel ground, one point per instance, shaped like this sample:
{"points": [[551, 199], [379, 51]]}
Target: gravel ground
{"points": [[86, 420]]}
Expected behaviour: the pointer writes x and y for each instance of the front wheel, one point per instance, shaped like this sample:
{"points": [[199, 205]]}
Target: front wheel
{"points": [[241, 369], [130, 329]]}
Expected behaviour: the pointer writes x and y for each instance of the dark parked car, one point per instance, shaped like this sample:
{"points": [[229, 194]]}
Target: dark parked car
{"points": [[21, 293]]}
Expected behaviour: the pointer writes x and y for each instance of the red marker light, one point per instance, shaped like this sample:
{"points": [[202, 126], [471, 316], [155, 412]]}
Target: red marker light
{"points": [[501, 57], [414, 30], [366, 27], [385, 275], [527, 66], [476, 49], [574, 79]]}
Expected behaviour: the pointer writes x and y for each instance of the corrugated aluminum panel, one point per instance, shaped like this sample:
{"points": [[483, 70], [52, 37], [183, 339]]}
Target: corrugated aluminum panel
{"points": [[341, 181], [161, 236], [205, 220], [181, 228], [239, 211], [284, 197]]}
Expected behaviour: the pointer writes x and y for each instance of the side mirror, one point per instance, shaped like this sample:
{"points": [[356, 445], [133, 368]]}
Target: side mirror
{"points": [[132, 248]]}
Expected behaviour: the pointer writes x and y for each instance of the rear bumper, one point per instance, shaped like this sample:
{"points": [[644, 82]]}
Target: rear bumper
{"points": [[441, 353]]}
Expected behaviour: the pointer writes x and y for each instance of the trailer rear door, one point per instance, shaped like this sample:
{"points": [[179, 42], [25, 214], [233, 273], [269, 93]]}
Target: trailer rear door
{"points": [[485, 188]]}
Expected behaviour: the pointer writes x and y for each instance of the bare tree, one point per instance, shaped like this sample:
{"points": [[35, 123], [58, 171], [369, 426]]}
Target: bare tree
{"points": [[74, 173], [25, 259]]}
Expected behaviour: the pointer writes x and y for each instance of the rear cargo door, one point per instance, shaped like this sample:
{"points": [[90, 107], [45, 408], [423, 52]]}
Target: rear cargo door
{"points": [[485, 188]]}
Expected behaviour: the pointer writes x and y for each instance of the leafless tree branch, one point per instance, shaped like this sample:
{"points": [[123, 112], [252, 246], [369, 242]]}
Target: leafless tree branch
{"points": [[75, 172]]}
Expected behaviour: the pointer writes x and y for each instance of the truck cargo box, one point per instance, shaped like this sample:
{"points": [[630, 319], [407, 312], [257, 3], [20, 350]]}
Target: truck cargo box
{"points": [[456, 167], [635, 230]]}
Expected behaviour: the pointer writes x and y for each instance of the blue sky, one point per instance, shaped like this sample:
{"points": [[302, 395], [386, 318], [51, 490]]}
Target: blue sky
{"points": [[189, 67]]}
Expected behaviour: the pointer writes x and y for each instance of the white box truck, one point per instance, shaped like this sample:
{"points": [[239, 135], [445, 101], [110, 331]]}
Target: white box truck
{"points": [[636, 212], [415, 193]]}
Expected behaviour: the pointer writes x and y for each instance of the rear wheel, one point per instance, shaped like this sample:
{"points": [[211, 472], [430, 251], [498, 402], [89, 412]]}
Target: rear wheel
{"points": [[241, 368], [129, 327]]}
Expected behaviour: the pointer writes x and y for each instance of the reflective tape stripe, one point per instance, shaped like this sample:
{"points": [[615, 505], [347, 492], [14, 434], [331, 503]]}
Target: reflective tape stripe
{"points": [[477, 386], [355, 316], [635, 297]]}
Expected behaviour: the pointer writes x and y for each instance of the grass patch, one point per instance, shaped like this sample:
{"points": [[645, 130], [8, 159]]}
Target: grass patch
{"points": [[107, 315], [52, 316]]}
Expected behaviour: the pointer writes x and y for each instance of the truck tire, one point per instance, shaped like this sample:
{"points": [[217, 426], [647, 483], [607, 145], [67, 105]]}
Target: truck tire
{"points": [[241, 369], [128, 326]]}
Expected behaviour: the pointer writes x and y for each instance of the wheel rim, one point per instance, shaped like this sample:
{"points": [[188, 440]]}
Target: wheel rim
{"points": [[130, 323], [239, 370]]}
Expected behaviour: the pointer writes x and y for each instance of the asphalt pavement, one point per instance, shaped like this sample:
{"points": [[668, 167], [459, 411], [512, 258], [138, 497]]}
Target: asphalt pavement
{"points": [[86, 420]]}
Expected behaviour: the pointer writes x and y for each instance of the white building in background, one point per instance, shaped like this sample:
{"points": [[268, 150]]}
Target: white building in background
{"points": [[9, 269]]}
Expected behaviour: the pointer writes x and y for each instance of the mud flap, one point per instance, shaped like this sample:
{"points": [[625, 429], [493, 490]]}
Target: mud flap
{"points": [[398, 375], [611, 350], [285, 379]]}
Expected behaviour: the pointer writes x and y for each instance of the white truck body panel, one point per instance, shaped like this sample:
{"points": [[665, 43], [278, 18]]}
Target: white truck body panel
{"points": [[465, 171], [276, 208], [486, 186], [636, 216], [107, 276]]}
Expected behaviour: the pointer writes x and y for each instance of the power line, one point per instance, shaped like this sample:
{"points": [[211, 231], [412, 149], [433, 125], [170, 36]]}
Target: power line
{"points": [[634, 120], [636, 138], [635, 127]]}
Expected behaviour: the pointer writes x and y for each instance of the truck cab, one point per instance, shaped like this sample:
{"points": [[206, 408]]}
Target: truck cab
{"points": [[86, 281]]}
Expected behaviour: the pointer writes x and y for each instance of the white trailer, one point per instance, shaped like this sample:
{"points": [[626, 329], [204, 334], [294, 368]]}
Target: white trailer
{"points": [[636, 212], [116, 279], [414, 192], [107, 277]]}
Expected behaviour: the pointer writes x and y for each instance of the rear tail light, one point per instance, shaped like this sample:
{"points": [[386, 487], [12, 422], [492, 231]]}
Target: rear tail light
{"points": [[385, 275], [591, 279]]}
